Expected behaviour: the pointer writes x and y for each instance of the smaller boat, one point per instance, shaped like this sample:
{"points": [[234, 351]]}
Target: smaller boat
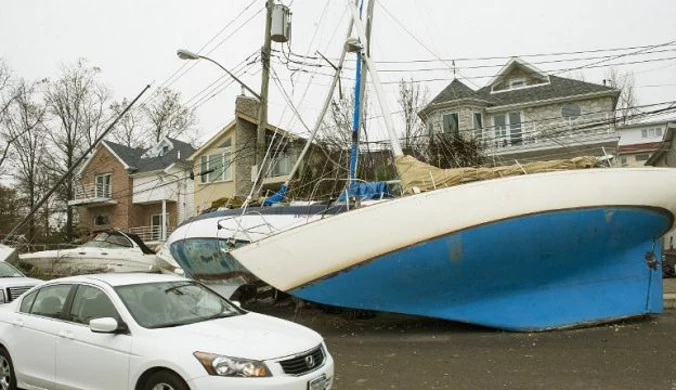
{"points": [[110, 251], [201, 246]]}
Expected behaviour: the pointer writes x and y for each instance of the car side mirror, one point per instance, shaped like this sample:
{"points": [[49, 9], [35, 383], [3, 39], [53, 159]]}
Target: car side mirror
{"points": [[104, 325]]}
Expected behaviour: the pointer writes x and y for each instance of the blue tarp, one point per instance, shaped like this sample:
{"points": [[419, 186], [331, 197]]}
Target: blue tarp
{"points": [[276, 197], [370, 190]]}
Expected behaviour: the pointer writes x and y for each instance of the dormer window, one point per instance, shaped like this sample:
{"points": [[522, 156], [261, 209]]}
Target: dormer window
{"points": [[164, 151]]}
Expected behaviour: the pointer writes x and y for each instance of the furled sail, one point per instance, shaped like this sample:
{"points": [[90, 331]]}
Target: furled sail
{"points": [[417, 176]]}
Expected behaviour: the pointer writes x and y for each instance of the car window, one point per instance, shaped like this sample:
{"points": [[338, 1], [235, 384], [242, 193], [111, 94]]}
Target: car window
{"points": [[50, 300], [27, 302], [90, 303]]}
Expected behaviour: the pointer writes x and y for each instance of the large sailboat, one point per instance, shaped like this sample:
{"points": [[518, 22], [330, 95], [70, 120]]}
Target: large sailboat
{"points": [[533, 251]]}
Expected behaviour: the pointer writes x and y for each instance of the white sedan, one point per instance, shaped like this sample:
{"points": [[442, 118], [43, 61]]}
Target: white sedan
{"points": [[151, 332]]}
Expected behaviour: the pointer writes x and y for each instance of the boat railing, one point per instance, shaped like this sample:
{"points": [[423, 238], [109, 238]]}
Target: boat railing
{"points": [[246, 229]]}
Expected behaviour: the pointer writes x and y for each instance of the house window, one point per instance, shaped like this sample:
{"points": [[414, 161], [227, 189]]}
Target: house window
{"points": [[478, 126], [165, 150], [517, 83], [102, 187], [642, 157], [451, 124], [282, 165], [570, 111], [508, 129], [102, 219], [216, 166], [652, 132]]}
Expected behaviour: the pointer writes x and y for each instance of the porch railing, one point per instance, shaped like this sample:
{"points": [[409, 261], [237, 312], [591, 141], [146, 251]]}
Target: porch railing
{"points": [[150, 233], [93, 191]]}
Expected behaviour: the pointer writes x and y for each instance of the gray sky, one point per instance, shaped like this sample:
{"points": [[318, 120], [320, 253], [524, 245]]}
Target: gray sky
{"points": [[134, 43]]}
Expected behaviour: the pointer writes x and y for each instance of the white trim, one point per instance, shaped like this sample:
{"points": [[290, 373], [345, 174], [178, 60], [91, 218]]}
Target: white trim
{"points": [[230, 126], [536, 103], [515, 60], [549, 82]]}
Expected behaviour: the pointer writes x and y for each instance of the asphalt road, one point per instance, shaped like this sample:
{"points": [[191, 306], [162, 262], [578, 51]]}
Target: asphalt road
{"points": [[401, 352]]}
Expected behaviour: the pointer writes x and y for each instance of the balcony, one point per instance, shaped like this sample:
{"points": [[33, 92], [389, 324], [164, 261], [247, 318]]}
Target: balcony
{"points": [[91, 195], [150, 234]]}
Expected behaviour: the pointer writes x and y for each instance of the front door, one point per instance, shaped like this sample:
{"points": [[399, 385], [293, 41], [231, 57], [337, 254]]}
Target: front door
{"points": [[88, 360], [156, 226], [35, 329]]}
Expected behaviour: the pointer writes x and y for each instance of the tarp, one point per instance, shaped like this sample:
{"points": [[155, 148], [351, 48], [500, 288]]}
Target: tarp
{"points": [[366, 190], [417, 176]]}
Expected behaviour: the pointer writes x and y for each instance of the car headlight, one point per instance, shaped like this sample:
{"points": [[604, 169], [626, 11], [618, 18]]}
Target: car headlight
{"points": [[232, 366]]}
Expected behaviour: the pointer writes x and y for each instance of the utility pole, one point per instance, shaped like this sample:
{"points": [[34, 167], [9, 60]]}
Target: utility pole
{"points": [[265, 82]]}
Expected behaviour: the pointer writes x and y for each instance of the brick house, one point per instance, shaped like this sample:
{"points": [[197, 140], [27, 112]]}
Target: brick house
{"points": [[135, 190], [525, 114], [225, 165]]}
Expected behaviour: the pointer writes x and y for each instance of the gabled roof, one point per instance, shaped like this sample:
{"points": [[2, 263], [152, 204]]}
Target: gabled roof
{"points": [[515, 62], [128, 156], [132, 161], [456, 90], [557, 88]]}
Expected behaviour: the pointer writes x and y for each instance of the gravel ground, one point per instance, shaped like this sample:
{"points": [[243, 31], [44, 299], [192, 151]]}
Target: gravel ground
{"points": [[392, 351]]}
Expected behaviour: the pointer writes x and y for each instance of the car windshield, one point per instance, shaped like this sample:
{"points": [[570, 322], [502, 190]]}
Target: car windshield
{"points": [[7, 271], [109, 240], [168, 304]]}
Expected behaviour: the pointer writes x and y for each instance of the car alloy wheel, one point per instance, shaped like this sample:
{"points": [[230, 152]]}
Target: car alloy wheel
{"points": [[160, 386], [5, 373]]}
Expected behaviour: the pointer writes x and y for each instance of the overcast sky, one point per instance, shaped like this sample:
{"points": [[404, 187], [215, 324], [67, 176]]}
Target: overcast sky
{"points": [[134, 43]]}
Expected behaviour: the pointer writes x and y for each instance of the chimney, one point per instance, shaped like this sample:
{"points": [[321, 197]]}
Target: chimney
{"points": [[247, 105]]}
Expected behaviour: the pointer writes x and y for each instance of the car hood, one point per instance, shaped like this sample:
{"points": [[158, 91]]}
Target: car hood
{"points": [[18, 282], [253, 336]]}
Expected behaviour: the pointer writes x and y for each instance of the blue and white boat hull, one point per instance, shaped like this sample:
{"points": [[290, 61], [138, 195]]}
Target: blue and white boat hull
{"points": [[532, 252]]}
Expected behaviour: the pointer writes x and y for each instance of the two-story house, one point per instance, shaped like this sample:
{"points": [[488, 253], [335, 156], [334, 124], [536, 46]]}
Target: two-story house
{"points": [[639, 141], [144, 191], [524, 114], [225, 165]]}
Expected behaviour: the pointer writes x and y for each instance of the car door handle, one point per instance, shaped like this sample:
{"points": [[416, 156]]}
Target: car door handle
{"points": [[66, 334], [17, 322], [82, 253], [104, 253]]}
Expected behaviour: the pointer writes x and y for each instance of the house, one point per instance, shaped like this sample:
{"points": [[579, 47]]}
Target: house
{"points": [[525, 114], [225, 165], [665, 156], [135, 190], [639, 141]]}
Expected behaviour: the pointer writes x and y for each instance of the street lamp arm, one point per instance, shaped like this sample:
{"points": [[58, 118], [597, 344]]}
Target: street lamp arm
{"points": [[233, 76]]}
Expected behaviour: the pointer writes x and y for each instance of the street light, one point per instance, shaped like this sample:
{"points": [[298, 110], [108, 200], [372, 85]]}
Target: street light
{"points": [[188, 55]]}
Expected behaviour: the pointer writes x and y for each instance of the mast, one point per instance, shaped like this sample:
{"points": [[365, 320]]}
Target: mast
{"points": [[356, 115], [377, 84]]}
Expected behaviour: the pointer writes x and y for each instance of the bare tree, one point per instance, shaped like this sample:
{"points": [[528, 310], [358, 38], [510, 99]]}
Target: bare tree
{"points": [[167, 117], [25, 123], [6, 98], [411, 99], [129, 128], [78, 104], [625, 82]]}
